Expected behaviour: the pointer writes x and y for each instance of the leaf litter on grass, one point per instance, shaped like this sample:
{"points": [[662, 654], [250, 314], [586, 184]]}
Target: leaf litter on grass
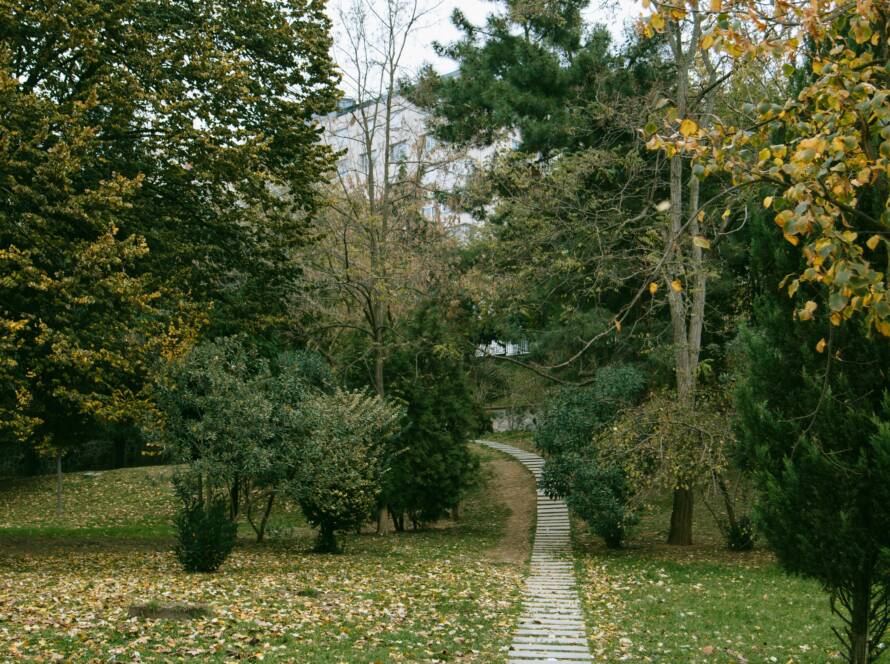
{"points": [[433, 596]]}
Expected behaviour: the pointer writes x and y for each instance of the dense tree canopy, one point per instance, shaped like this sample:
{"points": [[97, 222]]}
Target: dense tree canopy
{"points": [[158, 162], [825, 151]]}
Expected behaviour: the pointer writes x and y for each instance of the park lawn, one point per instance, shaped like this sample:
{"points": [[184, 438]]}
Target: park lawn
{"points": [[430, 596], [651, 602], [136, 503]]}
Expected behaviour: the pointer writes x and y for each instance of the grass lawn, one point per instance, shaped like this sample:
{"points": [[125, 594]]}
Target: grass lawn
{"points": [[67, 588], [651, 602], [518, 439]]}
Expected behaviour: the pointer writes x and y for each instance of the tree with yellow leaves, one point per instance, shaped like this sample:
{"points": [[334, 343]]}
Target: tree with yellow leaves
{"points": [[825, 151]]}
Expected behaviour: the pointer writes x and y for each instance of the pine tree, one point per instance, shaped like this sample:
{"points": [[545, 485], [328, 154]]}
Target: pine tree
{"points": [[432, 466], [815, 427]]}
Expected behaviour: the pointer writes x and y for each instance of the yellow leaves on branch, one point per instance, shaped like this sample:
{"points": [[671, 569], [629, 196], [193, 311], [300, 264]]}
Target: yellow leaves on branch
{"points": [[688, 127], [808, 310], [828, 171]]}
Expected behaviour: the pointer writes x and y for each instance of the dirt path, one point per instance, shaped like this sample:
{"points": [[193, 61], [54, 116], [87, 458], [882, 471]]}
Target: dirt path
{"points": [[514, 486], [551, 628]]}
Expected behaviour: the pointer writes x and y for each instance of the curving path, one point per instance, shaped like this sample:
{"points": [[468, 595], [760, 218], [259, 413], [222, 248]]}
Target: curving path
{"points": [[551, 628]]}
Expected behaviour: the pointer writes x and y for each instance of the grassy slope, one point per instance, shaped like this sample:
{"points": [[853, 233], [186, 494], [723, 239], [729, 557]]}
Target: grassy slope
{"points": [[654, 603], [416, 597]]}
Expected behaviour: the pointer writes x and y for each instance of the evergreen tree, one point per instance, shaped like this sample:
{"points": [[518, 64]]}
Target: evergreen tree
{"points": [[815, 426], [431, 466]]}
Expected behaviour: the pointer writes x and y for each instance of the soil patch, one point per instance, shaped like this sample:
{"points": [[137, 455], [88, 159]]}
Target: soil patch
{"points": [[158, 610], [514, 486]]}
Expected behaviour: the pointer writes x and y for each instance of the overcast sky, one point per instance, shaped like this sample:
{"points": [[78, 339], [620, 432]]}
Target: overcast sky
{"points": [[437, 26]]}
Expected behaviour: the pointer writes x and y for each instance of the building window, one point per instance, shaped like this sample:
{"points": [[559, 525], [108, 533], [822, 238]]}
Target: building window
{"points": [[429, 211], [367, 164], [399, 152]]}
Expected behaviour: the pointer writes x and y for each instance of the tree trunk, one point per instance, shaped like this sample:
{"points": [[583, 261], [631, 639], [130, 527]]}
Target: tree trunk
{"points": [[382, 522], [859, 624], [681, 518], [327, 540], [234, 492], [398, 521], [58, 485], [259, 529]]}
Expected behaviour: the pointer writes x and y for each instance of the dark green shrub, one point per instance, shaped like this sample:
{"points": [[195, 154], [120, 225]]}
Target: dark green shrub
{"points": [[598, 493], [205, 536], [740, 536], [339, 468], [573, 415], [431, 465], [602, 497], [815, 428]]}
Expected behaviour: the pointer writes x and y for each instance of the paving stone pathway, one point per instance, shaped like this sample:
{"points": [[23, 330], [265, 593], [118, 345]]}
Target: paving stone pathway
{"points": [[551, 628]]}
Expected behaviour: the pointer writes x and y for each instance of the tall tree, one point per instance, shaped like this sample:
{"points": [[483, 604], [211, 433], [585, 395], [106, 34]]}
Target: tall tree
{"points": [[540, 73], [684, 273], [825, 150], [371, 258], [158, 160], [383, 241], [815, 427]]}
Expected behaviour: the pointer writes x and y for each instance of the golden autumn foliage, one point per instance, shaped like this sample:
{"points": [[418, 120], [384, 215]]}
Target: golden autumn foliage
{"points": [[825, 151]]}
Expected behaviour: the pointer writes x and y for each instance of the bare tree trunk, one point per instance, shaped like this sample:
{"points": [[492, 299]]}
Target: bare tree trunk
{"points": [[58, 485], [260, 528], [681, 517], [686, 301]]}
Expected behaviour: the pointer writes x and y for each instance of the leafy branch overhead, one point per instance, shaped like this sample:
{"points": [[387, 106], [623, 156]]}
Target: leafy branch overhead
{"points": [[822, 156]]}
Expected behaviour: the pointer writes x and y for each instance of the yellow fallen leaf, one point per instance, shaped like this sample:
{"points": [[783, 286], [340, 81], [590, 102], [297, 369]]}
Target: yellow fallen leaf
{"points": [[677, 286], [820, 346], [873, 241], [768, 201], [701, 241], [653, 288]]}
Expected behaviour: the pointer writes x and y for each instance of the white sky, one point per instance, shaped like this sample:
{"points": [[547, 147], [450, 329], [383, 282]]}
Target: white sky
{"points": [[437, 25]]}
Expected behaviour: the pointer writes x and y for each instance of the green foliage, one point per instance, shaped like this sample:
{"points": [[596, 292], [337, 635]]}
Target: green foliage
{"points": [[432, 467], [569, 228], [595, 488], [338, 471], [741, 535], [601, 495], [575, 415], [814, 427], [218, 416], [236, 419], [154, 157], [536, 68], [205, 536]]}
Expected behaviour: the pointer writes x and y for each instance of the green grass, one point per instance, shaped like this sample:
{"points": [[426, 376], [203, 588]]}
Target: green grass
{"points": [[130, 503], [520, 439], [657, 603], [67, 591]]}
